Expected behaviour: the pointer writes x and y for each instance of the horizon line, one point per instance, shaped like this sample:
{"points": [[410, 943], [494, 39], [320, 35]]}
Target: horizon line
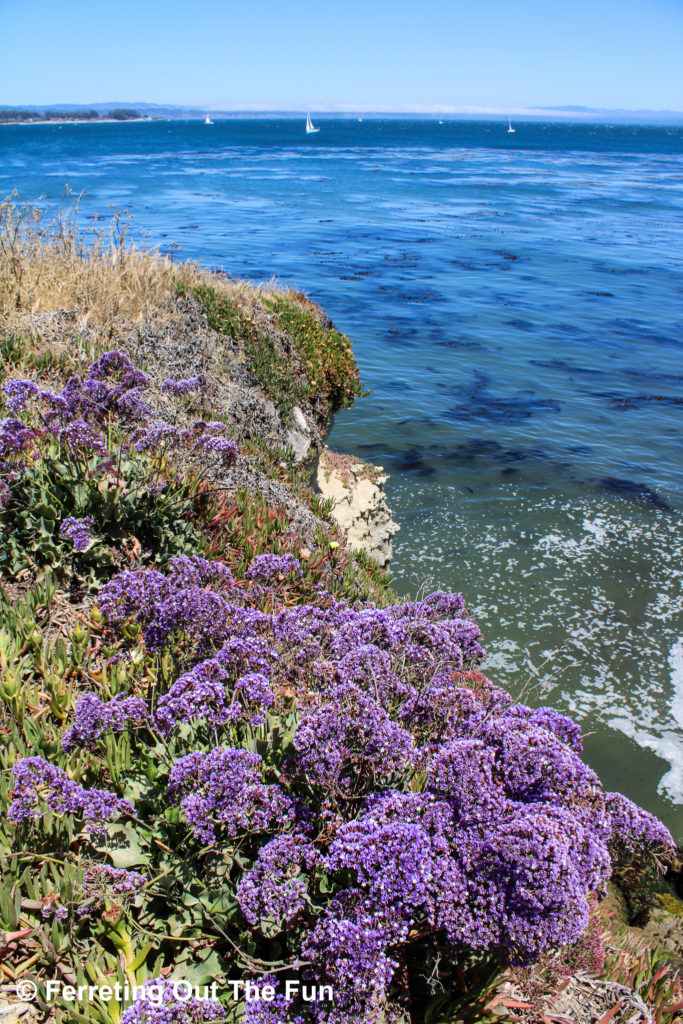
{"points": [[563, 110]]}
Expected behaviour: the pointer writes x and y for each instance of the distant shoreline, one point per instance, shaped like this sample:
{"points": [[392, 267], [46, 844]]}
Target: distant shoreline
{"points": [[83, 120], [575, 118]]}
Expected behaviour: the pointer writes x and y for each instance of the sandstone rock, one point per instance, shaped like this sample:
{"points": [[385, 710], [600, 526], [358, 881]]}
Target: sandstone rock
{"points": [[360, 507]]}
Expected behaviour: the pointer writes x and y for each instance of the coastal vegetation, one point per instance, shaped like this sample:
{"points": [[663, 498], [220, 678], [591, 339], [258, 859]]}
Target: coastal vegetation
{"points": [[318, 365], [230, 754], [15, 115]]}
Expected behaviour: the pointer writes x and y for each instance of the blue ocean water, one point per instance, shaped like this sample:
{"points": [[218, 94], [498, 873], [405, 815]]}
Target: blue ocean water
{"points": [[515, 302]]}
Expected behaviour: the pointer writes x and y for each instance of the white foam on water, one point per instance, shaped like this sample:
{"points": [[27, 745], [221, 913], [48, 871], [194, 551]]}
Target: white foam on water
{"points": [[676, 665], [671, 784], [586, 591], [670, 746], [669, 743], [596, 527], [504, 657]]}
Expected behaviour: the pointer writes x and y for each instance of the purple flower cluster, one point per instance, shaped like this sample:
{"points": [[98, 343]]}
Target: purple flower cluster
{"points": [[84, 401], [225, 787], [276, 887], [416, 634], [158, 1002], [116, 881], [78, 531], [424, 798], [35, 778], [78, 417], [179, 602], [632, 826], [101, 883], [53, 908], [83, 439], [265, 568], [155, 436], [108, 363], [183, 386], [350, 946], [349, 743], [207, 693], [18, 392], [228, 450], [271, 1011], [93, 717], [201, 436], [16, 441]]}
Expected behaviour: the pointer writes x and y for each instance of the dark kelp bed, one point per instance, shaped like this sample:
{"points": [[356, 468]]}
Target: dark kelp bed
{"points": [[229, 753]]}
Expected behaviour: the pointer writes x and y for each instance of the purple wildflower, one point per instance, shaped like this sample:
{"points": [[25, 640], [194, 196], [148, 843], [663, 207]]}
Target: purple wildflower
{"points": [[15, 439], [81, 437], [108, 363], [54, 909], [183, 386], [219, 445], [276, 886], [150, 439], [18, 393], [267, 568], [271, 1011], [350, 944], [160, 1002], [35, 778], [225, 787], [132, 404], [631, 826], [349, 742], [78, 531], [195, 570], [117, 881], [165, 605], [94, 717]]}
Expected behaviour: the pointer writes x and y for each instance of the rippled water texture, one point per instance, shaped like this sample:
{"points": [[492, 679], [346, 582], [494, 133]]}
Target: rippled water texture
{"points": [[515, 303]]}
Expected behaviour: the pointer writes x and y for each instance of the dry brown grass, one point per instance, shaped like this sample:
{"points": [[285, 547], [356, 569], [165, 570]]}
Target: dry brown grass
{"points": [[102, 282]]}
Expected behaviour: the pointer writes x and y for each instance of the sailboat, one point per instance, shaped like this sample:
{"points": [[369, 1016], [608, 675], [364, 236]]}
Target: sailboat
{"points": [[208, 120], [510, 128], [310, 127]]}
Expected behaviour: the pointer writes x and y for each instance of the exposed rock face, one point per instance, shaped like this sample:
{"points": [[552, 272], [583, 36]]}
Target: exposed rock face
{"points": [[185, 345], [360, 506]]}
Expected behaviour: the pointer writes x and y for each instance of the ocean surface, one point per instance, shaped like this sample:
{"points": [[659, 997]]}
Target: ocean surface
{"points": [[516, 306]]}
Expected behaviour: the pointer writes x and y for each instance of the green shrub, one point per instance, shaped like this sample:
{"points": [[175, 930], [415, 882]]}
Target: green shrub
{"points": [[326, 354], [132, 507], [321, 368]]}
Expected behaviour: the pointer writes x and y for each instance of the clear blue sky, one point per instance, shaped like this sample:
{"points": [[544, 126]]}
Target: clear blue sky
{"points": [[356, 53]]}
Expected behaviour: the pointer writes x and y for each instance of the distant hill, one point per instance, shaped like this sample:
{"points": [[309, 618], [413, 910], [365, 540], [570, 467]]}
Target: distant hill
{"points": [[127, 111]]}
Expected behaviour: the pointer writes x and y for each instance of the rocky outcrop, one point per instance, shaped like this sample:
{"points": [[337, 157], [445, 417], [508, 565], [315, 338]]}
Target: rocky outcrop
{"points": [[360, 507], [180, 344]]}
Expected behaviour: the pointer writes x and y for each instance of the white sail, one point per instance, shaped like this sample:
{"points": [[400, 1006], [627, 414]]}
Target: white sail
{"points": [[510, 128], [310, 127]]}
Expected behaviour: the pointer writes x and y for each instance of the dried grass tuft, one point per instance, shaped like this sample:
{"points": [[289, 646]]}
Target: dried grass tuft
{"points": [[101, 281]]}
